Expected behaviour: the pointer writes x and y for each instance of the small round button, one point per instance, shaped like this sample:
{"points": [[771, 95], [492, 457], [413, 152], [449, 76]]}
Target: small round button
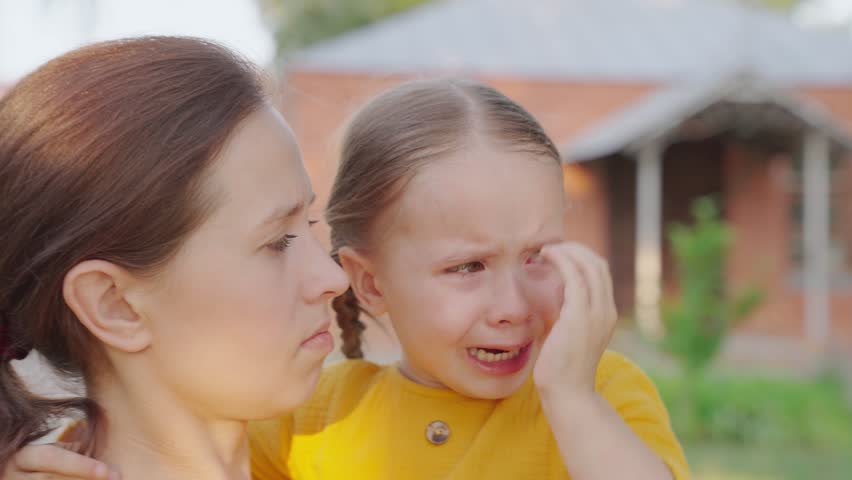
{"points": [[438, 432]]}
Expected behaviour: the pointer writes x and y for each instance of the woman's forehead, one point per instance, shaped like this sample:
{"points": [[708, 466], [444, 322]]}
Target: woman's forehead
{"points": [[260, 170]]}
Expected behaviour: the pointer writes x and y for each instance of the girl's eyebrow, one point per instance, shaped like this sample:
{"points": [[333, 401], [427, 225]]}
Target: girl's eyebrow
{"points": [[469, 253]]}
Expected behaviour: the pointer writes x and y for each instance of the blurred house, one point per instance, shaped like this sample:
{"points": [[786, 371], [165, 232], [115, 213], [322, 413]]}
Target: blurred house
{"points": [[653, 103]]}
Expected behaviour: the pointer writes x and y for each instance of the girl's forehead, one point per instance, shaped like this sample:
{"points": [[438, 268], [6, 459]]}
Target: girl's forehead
{"points": [[474, 197]]}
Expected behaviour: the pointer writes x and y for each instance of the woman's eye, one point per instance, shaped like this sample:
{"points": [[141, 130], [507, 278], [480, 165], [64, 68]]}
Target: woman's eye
{"points": [[281, 244], [469, 267], [311, 223]]}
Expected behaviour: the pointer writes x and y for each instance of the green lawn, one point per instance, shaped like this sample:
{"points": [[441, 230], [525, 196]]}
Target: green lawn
{"points": [[749, 426], [713, 462]]}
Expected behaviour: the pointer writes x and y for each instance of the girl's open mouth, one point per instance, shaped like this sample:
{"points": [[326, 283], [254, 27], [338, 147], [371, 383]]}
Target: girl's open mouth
{"points": [[500, 361]]}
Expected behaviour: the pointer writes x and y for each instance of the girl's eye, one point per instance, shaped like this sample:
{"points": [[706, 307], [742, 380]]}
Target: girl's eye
{"points": [[469, 267], [535, 258], [282, 244], [311, 223]]}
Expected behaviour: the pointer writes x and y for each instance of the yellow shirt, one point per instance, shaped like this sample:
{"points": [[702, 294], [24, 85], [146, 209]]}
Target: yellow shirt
{"points": [[367, 421]]}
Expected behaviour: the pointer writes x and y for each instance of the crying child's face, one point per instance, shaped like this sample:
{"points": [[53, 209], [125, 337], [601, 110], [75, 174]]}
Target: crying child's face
{"points": [[459, 270]]}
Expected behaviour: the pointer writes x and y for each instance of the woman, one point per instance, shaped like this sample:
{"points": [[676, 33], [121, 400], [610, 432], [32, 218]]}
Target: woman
{"points": [[156, 244]]}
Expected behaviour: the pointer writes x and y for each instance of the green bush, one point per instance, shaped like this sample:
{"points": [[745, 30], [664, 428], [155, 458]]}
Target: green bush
{"points": [[300, 23], [759, 411], [704, 311]]}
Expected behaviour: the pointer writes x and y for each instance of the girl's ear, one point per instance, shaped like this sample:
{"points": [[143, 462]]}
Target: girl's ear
{"points": [[361, 272]]}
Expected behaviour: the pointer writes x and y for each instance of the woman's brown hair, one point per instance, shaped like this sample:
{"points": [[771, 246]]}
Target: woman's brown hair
{"points": [[398, 132], [103, 155]]}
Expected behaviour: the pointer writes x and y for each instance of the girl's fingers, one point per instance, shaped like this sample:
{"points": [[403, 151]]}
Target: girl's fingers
{"points": [[597, 271], [576, 295], [609, 294], [594, 275]]}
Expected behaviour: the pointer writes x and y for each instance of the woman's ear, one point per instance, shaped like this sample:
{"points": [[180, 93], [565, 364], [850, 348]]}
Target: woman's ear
{"points": [[362, 278], [95, 291]]}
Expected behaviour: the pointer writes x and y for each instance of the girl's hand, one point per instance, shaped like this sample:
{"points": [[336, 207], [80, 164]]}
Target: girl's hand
{"points": [[569, 358]]}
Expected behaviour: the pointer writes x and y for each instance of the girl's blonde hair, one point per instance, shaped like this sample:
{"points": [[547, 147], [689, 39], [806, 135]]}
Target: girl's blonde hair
{"points": [[395, 134]]}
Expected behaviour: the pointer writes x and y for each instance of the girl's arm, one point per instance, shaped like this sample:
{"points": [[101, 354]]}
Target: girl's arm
{"points": [[622, 431], [594, 440]]}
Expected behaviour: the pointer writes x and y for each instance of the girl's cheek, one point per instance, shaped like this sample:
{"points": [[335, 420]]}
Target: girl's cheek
{"points": [[547, 295]]}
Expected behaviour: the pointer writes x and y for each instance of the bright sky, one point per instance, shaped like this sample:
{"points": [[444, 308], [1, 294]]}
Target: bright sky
{"points": [[825, 12], [34, 31]]}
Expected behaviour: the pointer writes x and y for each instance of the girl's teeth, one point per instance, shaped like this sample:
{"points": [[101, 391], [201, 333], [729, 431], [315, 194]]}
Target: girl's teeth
{"points": [[487, 356]]}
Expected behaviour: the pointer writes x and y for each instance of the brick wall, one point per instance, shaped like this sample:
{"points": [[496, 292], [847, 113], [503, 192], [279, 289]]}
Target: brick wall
{"points": [[316, 105]]}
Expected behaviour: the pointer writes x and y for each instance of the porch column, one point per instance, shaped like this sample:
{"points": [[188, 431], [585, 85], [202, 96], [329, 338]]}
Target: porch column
{"points": [[816, 228], [649, 263]]}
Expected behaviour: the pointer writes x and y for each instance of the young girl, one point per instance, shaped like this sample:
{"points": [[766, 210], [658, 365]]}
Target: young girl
{"points": [[155, 242], [447, 214]]}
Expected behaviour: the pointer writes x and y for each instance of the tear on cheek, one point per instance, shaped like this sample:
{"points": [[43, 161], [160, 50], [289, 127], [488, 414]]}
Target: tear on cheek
{"points": [[546, 301]]}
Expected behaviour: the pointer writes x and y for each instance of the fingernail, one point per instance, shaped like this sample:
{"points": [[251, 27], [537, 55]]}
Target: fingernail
{"points": [[101, 471]]}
